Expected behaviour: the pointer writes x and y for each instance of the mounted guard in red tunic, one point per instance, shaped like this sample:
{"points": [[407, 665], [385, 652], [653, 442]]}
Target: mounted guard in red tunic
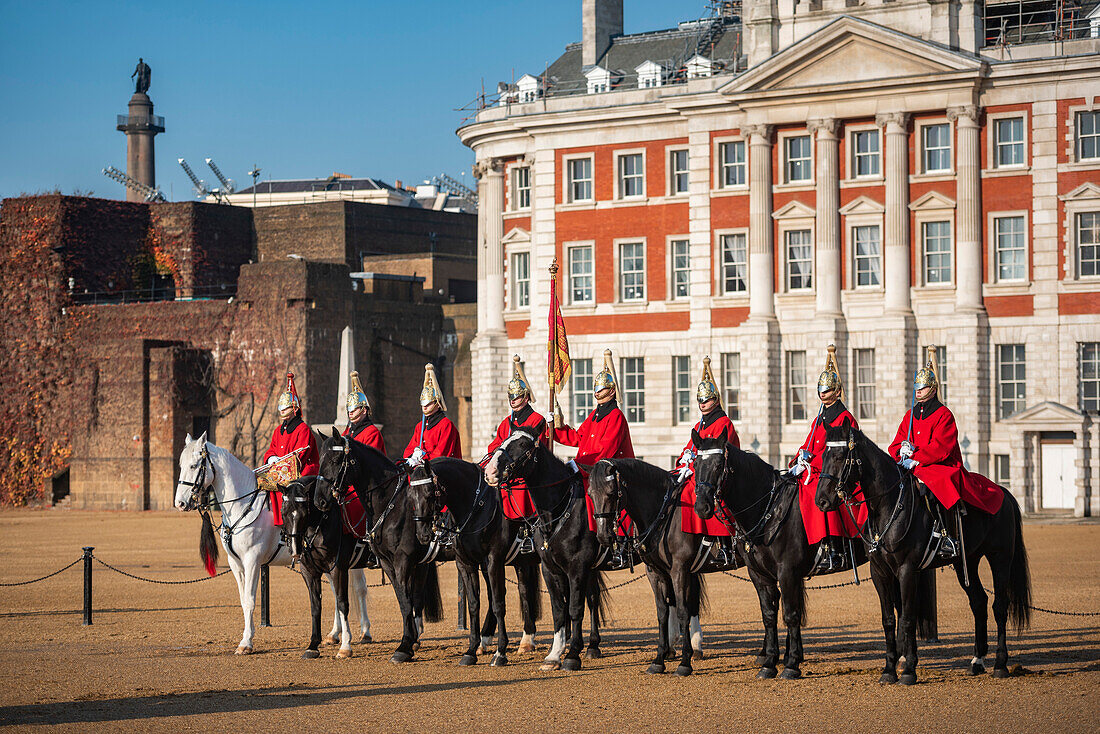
{"points": [[360, 428], [435, 435], [291, 443], [515, 498]]}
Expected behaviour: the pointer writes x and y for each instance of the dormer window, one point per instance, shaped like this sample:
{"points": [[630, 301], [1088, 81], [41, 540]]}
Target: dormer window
{"points": [[529, 88], [699, 66], [650, 74], [599, 80]]}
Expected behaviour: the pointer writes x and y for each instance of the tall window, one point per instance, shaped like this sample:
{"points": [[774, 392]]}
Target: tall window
{"points": [[797, 150], [1008, 235], [521, 279], [796, 386], [521, 187], [1088, 371], [681, 269], [866, 153], [632, 271], [936, 147], [1088, 135], [681, 389], [580, 274], [633, 377], [583, 401], [1011, 379], [1088, 244], [678, 172], [800, 259], [936, 238], [731, 157], [735, 263], [580, 179], [1001, 470], [1008, 136], [731, 384], [941, 376], [868, 252], [864, 360], [631, 175]]}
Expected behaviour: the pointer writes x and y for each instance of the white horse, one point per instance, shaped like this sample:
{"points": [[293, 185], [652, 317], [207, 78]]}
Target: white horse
{"points": [[249, 534]]}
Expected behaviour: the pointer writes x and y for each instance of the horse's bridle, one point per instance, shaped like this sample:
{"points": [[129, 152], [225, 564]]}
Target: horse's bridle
{"points": [[530, 454], [200, 489], [874, 538]]}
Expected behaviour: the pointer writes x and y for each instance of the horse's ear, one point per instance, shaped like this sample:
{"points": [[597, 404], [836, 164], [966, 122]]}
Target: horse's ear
{"points": [[202, 438], [334, 433], [188, 439], [695, 437]]}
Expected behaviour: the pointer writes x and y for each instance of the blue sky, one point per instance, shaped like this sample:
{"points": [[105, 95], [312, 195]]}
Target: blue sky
{"points": [[302, 89]]}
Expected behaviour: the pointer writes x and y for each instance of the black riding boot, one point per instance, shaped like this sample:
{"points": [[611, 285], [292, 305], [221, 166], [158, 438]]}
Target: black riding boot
{"points": [[949, 545], [831, 556]]}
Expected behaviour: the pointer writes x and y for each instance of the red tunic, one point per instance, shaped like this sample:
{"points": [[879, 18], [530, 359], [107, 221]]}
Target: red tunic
{"points": [[354, 516], [819, 524], [603, 435], [516, 499], [440, 437], [935, 440], [290, 435], [712, 425], [366, 433]]}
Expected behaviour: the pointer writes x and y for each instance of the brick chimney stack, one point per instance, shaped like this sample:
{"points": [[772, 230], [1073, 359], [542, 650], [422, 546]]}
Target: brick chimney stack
{"points": [[602, 19]]}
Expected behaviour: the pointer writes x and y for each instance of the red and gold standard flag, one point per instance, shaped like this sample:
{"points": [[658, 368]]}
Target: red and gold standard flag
{"points": [[557, 345]]}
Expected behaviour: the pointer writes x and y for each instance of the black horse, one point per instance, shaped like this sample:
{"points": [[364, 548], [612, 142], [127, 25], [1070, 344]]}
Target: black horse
{"points": [[483, 539], [761, 505], [383, 489], [898, 539], [572, 558], [675, 560]]}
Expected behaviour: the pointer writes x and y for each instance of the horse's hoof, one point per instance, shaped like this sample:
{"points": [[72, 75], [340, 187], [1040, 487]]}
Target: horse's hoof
{"points": [[888, 678], [525, 648], [549, 666], [416, 645], [907, 679], [656, 669], [767, 673], [499, 660], [571, 664], [311, 654], [367, 639], [977, 669], [401, 657], [696, 655], [1000, 672], [790, 674], [244, 650], [593, 653], [683, 670], [343, 652], [468, 659], [761, 660]]}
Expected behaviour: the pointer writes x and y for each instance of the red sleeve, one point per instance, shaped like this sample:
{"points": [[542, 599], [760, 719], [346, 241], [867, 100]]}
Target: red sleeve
{"points": [[732, 437], [566, 436], [503, 431], [372, 437], [609, 440], [903, 431], [944, 436], [413, 442], [303, 436], [809, 437], [451, 445]]}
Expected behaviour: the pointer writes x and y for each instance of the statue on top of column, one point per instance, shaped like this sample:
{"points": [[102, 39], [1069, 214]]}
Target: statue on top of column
{"points": [[143, 74]]}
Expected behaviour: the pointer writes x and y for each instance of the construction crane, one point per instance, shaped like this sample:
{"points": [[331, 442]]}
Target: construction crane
{"points": [[451, 186], [228, 185], [146, 191], [201, 192]]}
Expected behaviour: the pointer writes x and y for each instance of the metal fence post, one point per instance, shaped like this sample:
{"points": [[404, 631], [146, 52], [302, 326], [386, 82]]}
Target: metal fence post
{"points": [[88, 584], [265, 597]]}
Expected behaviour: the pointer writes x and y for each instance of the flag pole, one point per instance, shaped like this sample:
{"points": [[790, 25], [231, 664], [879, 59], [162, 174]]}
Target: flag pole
{"points": [[552, 345]]}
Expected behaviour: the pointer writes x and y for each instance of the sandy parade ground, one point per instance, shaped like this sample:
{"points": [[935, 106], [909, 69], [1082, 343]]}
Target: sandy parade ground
{"points": [[159, 657]]}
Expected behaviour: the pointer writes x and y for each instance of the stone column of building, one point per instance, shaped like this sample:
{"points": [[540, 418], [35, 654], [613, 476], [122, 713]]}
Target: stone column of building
{"points": [[968, 239], [827, 248], [491, 249], [761, 283], [141, 127]]}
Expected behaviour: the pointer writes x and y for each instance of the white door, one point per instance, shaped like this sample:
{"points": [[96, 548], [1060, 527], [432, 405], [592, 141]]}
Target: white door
{"points": [[1059, 476]]}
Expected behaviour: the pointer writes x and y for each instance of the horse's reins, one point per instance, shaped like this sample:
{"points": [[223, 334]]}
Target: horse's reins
{"points": [[640, 541], [554, 524], [729, 517], [876, 538], [437, 518], [208, 501]]}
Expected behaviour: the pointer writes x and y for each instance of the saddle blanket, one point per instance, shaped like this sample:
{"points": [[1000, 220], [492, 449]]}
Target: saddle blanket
{"points": [[690, 521]]}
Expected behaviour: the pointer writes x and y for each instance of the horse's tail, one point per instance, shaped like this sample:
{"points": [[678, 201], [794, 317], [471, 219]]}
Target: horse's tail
{"points": [[433, 602], [208, 545], [1019, 575], [531, 579], [926, 604], [603, 598]]}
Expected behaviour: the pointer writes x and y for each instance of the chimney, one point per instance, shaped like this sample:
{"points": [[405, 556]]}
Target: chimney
{"points": [[602, 19]]}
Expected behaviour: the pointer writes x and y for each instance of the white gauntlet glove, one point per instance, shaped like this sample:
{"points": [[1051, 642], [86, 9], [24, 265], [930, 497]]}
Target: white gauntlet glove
{"points": [[908, 463], [419, 456], [272, 460], [802, 463], [906, 450]]}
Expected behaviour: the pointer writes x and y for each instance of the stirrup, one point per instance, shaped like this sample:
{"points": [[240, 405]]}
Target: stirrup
{"points": [[526, 545], [948, 549]]}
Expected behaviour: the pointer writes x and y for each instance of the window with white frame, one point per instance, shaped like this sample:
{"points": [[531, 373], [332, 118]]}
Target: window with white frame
{"points": [[864, 369], [521, 279], [936, 247], [1001, 470], [796, 386], [800, 259], [681, 269], [799, 162], [677, 172], [632, 271], [1088, 136], [580, 179], [1009, 242], [731, 384], [735, 263], [865, 154], [631, 175], [941, 375], [521, 187], [582, 401], [731, 162], [632, 370], [1011, 379], [580, 275], [1088, 375], [1008, 142], [1088, 244], [936, 147], [867, 240], [681, 389]]}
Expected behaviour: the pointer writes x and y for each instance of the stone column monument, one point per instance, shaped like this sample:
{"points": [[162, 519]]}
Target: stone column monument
{"points": [[140, 126]]}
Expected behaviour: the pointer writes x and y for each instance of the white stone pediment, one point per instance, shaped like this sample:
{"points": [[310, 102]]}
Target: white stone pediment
{"points": [[794, 210], [862, 205], [1087, 190], [850, 50], [1047, 413], [933, 200], [516, 234]]}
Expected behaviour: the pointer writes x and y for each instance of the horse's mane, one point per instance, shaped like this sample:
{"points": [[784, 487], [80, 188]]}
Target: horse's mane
{"points": [[643, 470], [362, 450], [840, 433]]}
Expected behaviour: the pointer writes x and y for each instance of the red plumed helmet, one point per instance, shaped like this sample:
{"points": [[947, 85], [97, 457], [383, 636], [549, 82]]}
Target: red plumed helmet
{"points": [[289, 398]]}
